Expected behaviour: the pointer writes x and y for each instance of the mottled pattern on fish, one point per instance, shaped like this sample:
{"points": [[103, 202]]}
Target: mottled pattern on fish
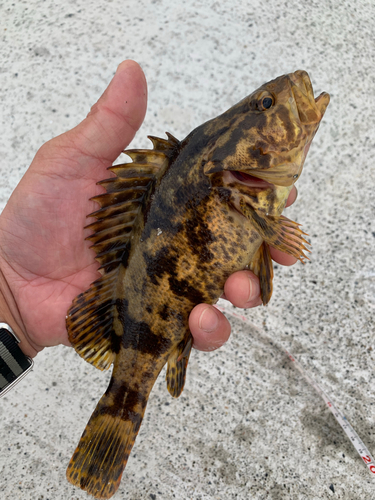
{"points": [[174, 224]]}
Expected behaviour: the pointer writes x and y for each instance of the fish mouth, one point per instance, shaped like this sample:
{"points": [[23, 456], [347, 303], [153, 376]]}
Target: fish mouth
{"points": [[285, 174], [250, 180]]}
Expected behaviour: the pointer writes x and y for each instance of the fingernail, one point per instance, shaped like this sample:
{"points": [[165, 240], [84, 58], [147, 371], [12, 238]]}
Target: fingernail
{"points": [[208, 320], [291, 199], [296, 194], [254, 290]]}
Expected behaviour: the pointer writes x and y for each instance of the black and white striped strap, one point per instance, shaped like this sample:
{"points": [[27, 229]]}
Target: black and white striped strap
{"points": [[14, 365]]}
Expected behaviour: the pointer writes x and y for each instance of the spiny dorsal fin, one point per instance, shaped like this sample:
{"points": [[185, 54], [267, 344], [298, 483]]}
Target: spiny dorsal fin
{"points": [[124, 198], [90, 318]]}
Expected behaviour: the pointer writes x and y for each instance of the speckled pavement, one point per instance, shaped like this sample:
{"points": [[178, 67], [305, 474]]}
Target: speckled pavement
{"points": [[247, 426]]}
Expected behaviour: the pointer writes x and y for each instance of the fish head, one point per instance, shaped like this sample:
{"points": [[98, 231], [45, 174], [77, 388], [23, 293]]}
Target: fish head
{"points": [[268, 134]]}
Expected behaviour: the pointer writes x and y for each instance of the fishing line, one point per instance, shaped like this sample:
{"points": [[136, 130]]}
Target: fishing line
{"points": [[339, 416]]}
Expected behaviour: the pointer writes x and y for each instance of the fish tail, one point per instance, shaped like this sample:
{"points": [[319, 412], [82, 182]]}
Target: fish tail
{"points": [[103, 450]]}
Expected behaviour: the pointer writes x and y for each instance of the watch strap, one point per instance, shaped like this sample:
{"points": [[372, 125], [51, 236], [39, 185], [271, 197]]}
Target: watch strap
{"points": [[14, 365]]}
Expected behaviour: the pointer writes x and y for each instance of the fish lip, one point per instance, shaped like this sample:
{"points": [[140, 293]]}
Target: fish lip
{"points": [[322, 102], [303, 94], [302, 80]]}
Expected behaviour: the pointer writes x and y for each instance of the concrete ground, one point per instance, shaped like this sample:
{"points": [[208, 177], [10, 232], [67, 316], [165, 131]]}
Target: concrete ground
{"points": [[247, 425]]}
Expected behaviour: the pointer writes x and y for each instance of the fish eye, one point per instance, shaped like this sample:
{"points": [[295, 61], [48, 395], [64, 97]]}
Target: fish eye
{"points": [[267, 102]]}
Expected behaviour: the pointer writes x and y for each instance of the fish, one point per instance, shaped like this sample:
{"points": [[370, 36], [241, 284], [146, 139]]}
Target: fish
{"points": [[174, 223]]}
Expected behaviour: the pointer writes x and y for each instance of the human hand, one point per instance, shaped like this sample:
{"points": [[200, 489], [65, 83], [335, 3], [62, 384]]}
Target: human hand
{"points": [[45, 261]]}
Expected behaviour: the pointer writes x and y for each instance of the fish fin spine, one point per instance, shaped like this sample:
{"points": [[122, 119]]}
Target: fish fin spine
{"points": [[127, 193]]}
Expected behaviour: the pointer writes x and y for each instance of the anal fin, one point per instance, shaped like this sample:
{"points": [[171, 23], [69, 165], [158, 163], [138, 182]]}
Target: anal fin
{"points": [[177, 364]]}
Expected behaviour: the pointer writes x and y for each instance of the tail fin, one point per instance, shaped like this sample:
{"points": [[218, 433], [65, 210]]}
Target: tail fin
{"points": [[102, 453]]}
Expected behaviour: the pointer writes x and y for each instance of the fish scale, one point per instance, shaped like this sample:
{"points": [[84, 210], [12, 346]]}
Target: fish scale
{"points": [[173, 225]]}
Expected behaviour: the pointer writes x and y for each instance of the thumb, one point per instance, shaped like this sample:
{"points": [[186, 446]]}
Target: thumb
{"points": [[108, 128]]}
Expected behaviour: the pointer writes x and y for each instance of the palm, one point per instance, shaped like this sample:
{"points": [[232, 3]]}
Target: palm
{"points": [[42, 239]]}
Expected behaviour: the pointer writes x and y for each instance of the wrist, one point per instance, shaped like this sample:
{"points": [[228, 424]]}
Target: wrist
{"points": [[14, 365], [10, 315]]}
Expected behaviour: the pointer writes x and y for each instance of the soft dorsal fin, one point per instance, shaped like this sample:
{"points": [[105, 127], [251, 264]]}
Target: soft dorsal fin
{"points": [[90, 318]]}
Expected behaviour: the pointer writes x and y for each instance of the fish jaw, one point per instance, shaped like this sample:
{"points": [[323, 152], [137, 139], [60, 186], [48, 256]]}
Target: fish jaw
{"points": [[310, 110], [266, 198], [322, 102]]}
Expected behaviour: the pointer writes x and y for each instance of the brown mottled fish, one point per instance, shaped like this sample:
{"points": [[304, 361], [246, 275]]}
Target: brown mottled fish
{"points": [[174, 224]]}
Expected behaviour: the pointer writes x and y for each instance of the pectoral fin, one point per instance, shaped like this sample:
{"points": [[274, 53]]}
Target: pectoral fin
{"points": [[261, 265], [278, 231], [177, 364]]}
